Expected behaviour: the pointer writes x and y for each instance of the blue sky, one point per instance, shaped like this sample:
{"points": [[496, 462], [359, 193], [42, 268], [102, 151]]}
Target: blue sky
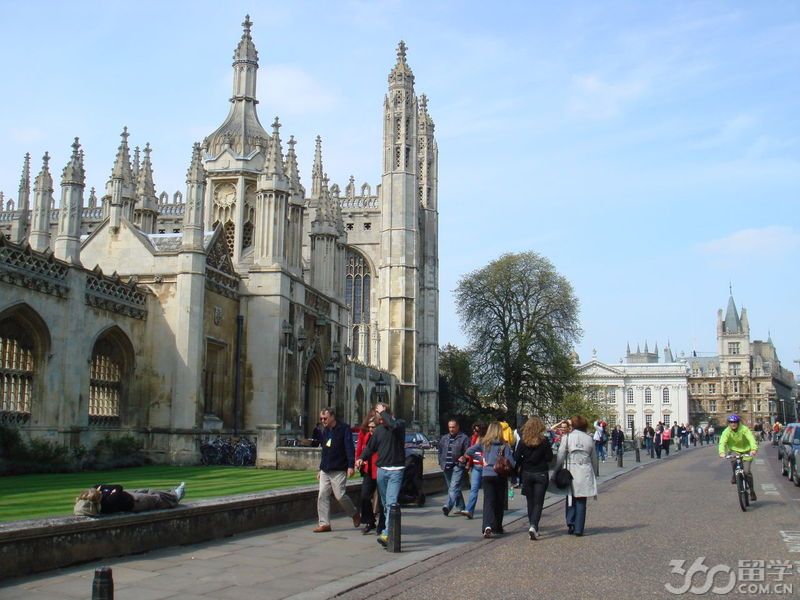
{"points": [[651, 150]]}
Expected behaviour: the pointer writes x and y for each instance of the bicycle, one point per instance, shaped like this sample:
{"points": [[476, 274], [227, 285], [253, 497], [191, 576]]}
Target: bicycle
{"points": [[742, 486]]}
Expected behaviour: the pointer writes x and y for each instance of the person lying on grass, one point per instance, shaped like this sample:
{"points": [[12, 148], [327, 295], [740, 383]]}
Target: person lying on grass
{"points": [[107, 499]]}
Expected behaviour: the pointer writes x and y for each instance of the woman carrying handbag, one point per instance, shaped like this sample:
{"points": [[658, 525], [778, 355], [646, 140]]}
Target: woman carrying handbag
{"points": [[577, 454], [497, 460]]}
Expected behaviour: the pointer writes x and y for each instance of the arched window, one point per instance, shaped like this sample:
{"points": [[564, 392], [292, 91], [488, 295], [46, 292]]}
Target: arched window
{"points": [[358, 285], [630, 396], [648, 396], [665, 396], [108, 377], [17, 367], [24, 340]]}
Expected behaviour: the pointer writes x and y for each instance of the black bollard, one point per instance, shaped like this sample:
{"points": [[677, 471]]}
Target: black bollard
{"points": [[103, 584], [638, 454], [619, 458], [394, 528]]}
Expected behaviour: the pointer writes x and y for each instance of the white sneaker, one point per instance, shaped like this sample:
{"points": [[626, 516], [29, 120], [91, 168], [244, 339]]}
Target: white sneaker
{"points": [[180, 490], [487, 533], [533, 533]]}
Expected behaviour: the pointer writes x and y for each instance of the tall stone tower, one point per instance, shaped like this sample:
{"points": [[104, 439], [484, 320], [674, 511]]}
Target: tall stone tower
{"points": [[399, 260], [733, 341]]}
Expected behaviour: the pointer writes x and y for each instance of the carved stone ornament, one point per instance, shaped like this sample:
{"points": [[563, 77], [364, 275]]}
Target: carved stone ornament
{"points": [[217, 315]]}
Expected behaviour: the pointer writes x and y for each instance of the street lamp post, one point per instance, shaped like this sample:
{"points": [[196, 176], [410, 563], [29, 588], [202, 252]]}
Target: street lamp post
{"points": [[331, 374]]}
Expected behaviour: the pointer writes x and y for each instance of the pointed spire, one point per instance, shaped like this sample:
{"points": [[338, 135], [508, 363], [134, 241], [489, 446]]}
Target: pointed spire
{"points": [[316, 171], [92, 198], [23, 199], [628, 349], [274, 164], [401, 74], [122, 163], [74, 173], [246, 50], [425, 120], [292, 172], [196, 172], [732, 322], [145, 187], [21, 223], [39, 238], [136, 163]]}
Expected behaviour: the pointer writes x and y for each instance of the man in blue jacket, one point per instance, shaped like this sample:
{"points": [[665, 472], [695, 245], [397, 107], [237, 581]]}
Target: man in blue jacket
{"points": [[452, 447], [338, 457]]}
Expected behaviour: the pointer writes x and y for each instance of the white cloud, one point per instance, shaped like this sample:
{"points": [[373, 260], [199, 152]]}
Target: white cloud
{"points": [[770, 242], [287, 90], [27, 135], [596, 98]]}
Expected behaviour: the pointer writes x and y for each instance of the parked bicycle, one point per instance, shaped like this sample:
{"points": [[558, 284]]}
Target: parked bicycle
{"points": [[742, 487], [221, 451]]}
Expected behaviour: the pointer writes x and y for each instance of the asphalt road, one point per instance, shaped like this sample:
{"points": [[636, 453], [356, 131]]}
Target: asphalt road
{"points": [[680, 509]]}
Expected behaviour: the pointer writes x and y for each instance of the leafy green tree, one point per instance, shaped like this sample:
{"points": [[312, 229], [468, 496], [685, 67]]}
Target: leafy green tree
{"points": [[459, 393], [521, 318]]}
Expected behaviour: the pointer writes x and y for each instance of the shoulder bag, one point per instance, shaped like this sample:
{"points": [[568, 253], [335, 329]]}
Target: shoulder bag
{"points": [[502, 466], [563, 478]]}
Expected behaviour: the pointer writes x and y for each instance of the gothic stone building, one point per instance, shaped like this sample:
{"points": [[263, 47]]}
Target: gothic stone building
{"points": [[743, 377], [226, 308]]}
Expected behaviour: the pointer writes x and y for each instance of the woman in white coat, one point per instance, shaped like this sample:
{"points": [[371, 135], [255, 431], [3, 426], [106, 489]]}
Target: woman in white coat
{"points": [[578, 455]]}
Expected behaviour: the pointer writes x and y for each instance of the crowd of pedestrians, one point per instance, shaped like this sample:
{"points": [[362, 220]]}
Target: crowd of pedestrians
{"points": [[493, 457]]}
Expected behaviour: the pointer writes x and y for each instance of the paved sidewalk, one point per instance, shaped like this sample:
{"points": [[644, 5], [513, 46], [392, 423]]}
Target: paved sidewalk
{"points": [[282, 562]]}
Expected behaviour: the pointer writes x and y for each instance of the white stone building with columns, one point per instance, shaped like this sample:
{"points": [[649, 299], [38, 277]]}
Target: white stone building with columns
{"points": [[226, 306], [640, 390]]}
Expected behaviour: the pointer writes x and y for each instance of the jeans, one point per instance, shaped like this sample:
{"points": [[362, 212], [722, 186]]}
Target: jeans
{"points": [[455, 499], [601, 450], [534, 486], [475, 476], [494, 499], [576, 514], [648, 443], [389, 484]]}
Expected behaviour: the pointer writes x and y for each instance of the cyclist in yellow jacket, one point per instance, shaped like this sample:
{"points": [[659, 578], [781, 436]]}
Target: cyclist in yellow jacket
{"points": [[738, 438]]}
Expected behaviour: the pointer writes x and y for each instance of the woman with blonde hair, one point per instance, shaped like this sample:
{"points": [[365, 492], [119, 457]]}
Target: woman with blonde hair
{"points": [[533, 455], [492, 446]]}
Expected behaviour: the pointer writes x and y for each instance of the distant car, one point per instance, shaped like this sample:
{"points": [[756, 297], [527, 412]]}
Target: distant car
{"points": [[790, 452], [416, 442], [781, 437]]}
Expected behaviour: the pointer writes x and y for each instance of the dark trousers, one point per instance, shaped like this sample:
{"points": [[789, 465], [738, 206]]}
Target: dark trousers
{"points": [[369, 487], [576, 514], [665, 447], [534, 486], [494, 490], [658, 450]]}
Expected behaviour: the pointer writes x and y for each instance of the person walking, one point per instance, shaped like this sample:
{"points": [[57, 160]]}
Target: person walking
{"points": [[388, 442], [578, 454], [532, 457], [475, 466], [372, 514], [336, 465], [617, 440], [657, 440], [452, 447], [649, 432], [666, 440], [600, 441], [492, 446]]}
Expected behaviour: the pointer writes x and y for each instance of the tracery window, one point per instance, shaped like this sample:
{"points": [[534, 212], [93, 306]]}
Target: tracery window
{"points": [[357, 290], [17, 368], [107, 379]]}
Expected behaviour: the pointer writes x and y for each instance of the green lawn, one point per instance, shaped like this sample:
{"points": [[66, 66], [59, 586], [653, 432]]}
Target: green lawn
{"points": [[50, 495]]}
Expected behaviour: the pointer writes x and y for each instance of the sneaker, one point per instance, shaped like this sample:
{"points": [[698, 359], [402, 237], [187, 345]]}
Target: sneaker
{"points": [[383, 540], [446, 510], [487, 533], [511, 492], [180, 491], [534, 535], [571, 529]]}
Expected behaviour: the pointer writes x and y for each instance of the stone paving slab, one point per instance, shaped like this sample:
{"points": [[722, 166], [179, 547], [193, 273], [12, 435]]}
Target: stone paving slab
{"points": [[281, 562]]}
